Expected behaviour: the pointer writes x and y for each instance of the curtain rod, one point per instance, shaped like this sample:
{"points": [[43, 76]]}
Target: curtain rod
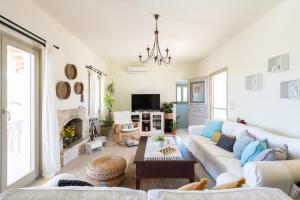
{"points": [[23, 31], [96, 70]]}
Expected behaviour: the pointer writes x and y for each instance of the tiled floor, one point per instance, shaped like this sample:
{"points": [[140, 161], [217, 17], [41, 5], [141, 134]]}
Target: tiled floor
{"points": [[77, 167]]}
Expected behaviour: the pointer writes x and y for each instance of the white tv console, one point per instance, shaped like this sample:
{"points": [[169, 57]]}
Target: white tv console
{"points": [[151, 122]]}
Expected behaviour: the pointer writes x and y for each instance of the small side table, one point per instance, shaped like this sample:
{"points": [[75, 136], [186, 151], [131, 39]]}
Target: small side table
{"points": [[97, 143]]}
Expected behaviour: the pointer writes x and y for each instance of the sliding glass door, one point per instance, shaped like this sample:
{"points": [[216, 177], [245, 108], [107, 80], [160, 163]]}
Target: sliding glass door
{"points": [[218, 94], [19, 106]]}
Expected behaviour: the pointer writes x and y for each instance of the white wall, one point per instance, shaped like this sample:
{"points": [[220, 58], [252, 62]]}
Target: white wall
{"points": [[276, 33], [71, 49], [158, 80]]}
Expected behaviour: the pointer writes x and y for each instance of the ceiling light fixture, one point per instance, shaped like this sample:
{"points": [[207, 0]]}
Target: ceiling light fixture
{"points": [[155, 52]]}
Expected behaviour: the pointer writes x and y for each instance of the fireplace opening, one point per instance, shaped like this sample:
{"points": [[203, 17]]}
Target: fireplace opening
{"points": [[72, 133]]}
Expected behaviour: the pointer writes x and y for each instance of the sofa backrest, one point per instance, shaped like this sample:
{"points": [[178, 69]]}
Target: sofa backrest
{"points": [[235, 129], [73, 193], [247, 193]]}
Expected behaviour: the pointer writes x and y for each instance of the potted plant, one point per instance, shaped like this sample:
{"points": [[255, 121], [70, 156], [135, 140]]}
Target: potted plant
{"points": [[68, 135], [175, 125], [160, 139], [106, 124], [167, 108]]}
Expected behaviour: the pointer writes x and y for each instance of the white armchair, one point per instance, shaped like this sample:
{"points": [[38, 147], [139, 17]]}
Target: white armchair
{"points": [[124, 128]]}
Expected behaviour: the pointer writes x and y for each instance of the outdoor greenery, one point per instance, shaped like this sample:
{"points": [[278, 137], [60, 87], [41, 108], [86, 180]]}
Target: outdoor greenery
{"points": [[167, 107], [109, 102]]}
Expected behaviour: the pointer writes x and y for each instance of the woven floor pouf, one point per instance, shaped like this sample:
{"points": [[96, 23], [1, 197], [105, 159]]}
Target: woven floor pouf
{"points": [[107, 169]]}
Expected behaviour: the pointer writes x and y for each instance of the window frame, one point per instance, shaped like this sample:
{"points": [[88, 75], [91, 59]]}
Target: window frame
{"points": [[182, 85], [211, 98]]}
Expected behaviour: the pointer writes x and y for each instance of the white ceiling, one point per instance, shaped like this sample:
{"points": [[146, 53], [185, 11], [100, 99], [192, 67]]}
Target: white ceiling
{"points": [[118, 30]]}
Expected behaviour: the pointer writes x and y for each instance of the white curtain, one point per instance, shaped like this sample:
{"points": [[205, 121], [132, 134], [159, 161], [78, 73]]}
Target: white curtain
{"points": [[94, 95], [50, 135]]}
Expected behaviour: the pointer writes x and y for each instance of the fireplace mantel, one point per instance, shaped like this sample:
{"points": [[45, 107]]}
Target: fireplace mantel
{"points": [[64, 116]]}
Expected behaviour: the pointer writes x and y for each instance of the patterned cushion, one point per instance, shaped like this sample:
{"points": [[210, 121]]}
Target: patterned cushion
{"points": [[216, 136], [241, 143], [63, 183], [226, 142], [273, 154]]}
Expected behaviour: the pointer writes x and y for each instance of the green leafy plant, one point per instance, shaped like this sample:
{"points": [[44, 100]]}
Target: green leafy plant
{"points": [[159, 138], [175, 123], [167, 107], [109, 102], [68, 134]]}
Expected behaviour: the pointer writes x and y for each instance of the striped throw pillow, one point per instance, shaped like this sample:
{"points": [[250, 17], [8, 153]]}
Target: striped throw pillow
{"points": [[226, 142]]}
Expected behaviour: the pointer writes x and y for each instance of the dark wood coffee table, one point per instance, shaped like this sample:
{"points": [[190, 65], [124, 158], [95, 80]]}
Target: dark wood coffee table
{"points": [[163, 168]]}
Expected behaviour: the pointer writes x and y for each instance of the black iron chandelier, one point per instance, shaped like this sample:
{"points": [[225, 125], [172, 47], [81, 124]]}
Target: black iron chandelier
{"points": [[155, 52]]}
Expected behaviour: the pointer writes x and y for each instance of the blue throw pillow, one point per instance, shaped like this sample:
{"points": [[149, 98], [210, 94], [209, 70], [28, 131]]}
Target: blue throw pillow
{"points": [[241, 143], [252, 150], [211, 127], [265, 155]]}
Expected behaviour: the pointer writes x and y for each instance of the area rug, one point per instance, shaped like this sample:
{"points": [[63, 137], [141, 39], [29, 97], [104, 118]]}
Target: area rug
{"points": [[163, 183]]}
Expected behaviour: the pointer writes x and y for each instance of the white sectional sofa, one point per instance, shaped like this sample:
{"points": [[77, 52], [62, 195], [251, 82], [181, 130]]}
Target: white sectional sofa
{"points": [[278, 174], [51, 191], [117, 193]]}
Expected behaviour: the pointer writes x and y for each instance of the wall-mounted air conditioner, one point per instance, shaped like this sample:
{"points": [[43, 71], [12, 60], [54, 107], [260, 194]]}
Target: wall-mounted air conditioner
{"points": [[137, 70]]}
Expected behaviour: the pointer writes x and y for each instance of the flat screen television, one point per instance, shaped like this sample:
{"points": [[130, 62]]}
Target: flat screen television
{"points": [[149, 102]]}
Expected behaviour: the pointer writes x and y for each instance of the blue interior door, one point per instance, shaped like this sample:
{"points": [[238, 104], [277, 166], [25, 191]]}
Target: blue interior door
{"points": [[182, 104]]}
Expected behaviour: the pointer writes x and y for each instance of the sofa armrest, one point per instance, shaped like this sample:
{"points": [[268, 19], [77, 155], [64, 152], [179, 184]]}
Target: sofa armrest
{"points": [[53, 182], [278, 174], [196, 129]]}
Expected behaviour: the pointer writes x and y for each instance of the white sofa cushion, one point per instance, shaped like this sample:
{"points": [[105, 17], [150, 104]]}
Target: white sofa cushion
{"points": [[226, 177], [268, 174], [53, 182], [235, 129], [229, 194], [202, 140], [196, 129], [73, 193], [217, 151], [122, 117], [278, 141], [231, 165]]}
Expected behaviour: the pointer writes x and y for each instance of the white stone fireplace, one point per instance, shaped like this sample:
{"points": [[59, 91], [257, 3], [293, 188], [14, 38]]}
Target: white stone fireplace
{"points": [[75, 118]]}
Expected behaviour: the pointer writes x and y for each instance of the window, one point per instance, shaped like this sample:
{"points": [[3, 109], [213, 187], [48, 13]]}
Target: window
{"points": [[181, 93], [218, 101], [94, 95]]}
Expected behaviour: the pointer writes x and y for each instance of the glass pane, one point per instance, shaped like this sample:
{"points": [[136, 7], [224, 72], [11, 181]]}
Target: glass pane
{"points": [[184, 93], [178, 94], [20, 157], [219, 83], [97, 96], [219, 114]]}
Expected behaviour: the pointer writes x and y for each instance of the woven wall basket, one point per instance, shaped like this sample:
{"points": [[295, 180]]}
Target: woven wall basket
{"points": [[71, 71], [63, 90], [78, 88]]}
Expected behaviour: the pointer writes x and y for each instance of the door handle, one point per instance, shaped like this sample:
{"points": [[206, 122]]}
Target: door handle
{"points": [[6, 113]]}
